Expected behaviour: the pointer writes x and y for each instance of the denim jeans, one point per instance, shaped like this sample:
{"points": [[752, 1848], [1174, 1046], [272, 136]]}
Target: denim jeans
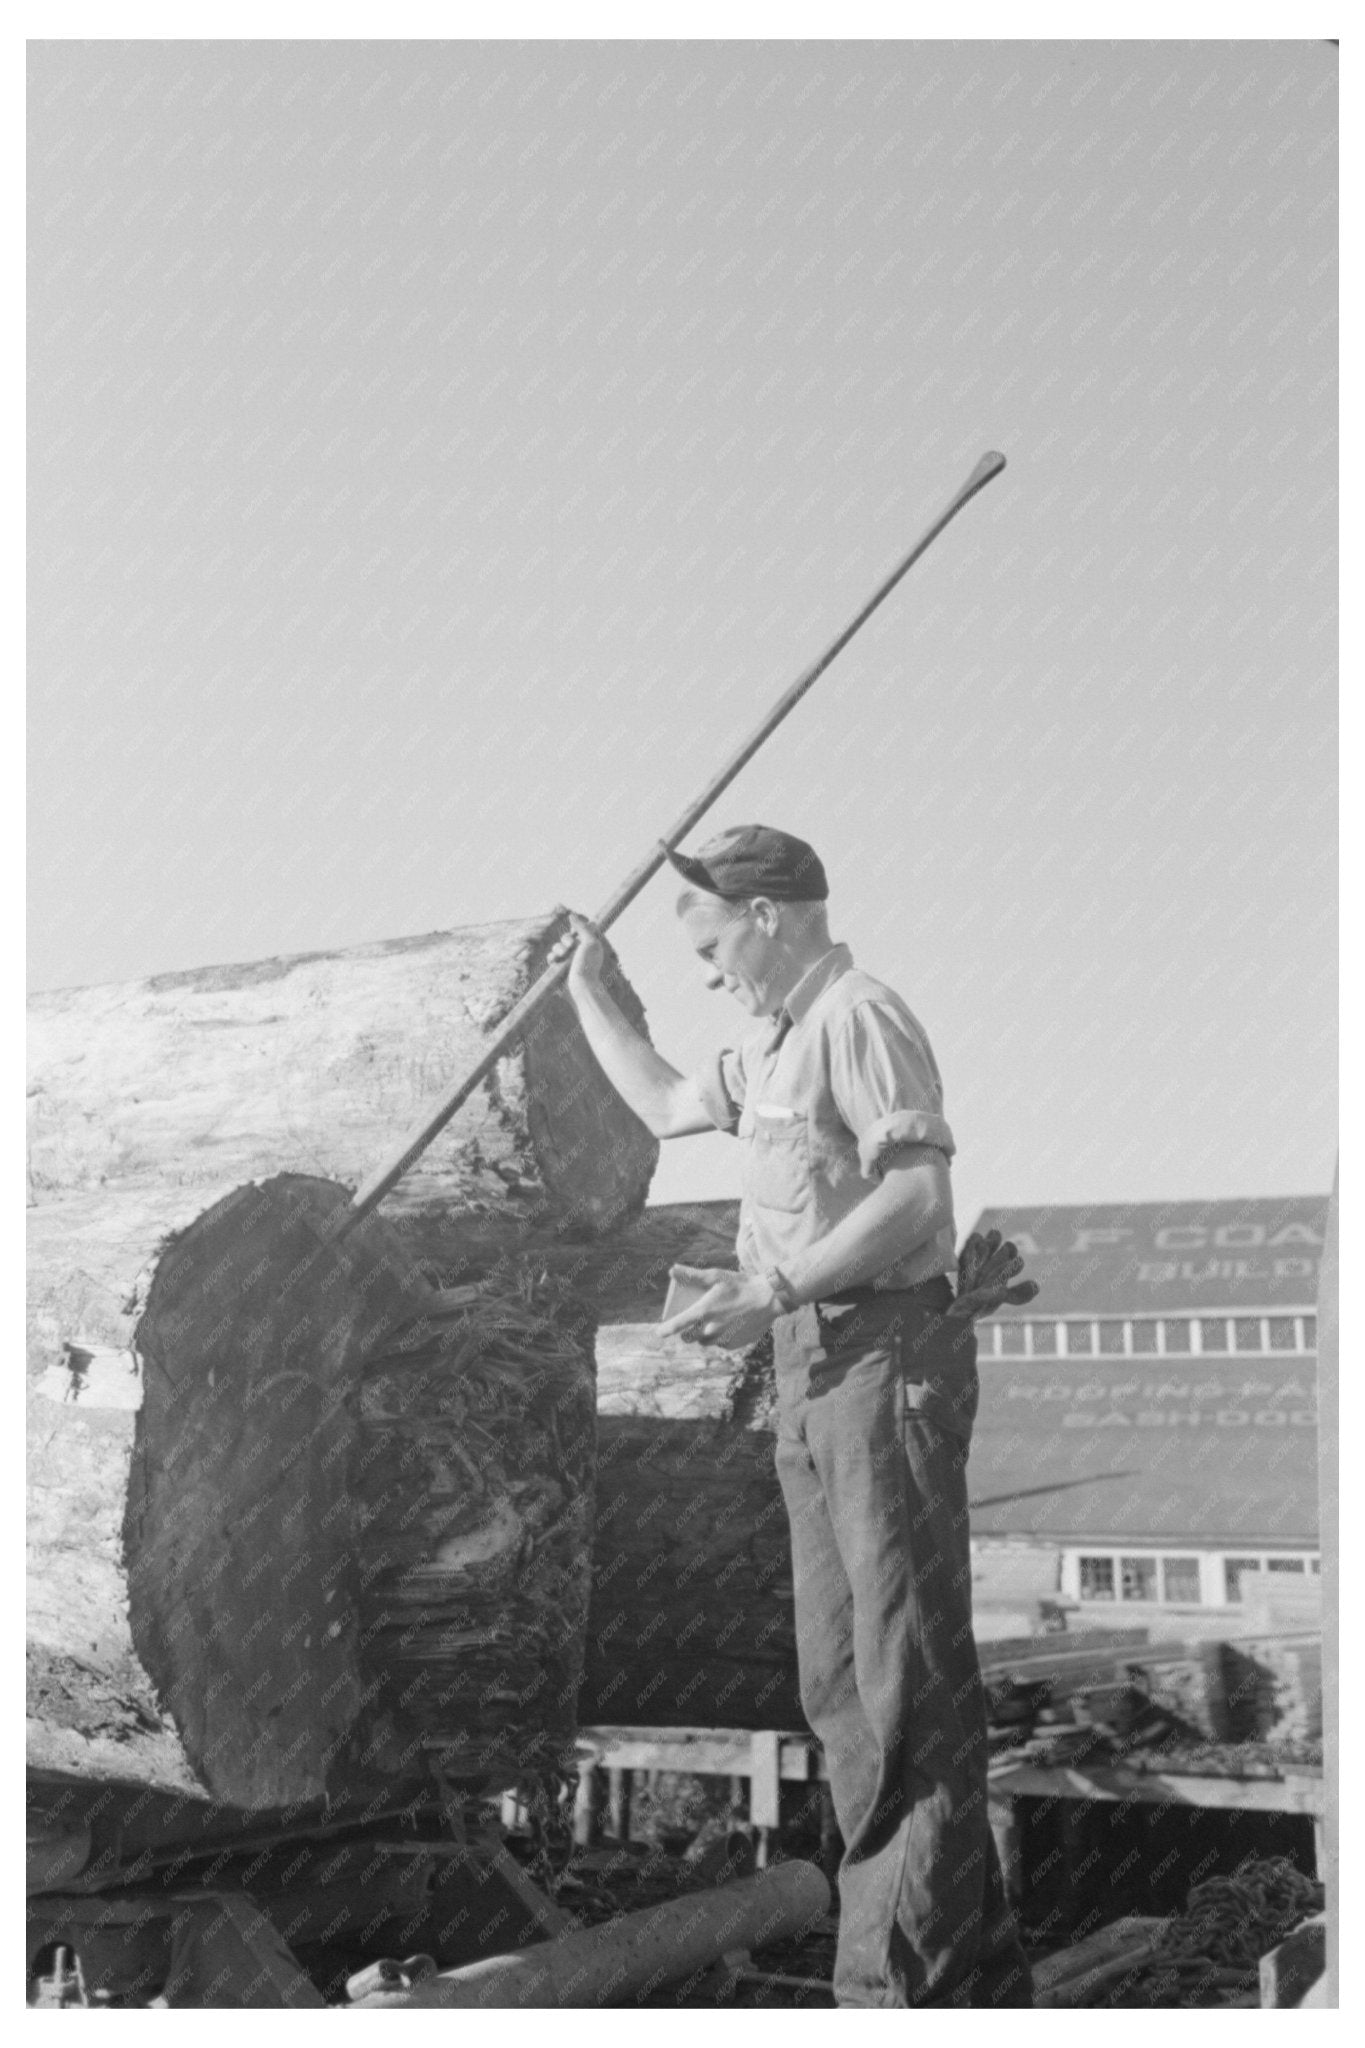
{"points": [[875, 1409]]}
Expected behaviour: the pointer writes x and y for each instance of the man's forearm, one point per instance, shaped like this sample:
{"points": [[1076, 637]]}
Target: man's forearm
{"points": [[637, 1073], [911, 1205]]}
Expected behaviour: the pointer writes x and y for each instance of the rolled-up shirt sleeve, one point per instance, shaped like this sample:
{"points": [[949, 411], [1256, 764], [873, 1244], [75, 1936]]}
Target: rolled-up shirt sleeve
{"points": [[886, 1086], [720, 1085]]}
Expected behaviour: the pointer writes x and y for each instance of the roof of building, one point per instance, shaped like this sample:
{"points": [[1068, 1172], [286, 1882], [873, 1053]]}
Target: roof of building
{"points": [[1153, 1258]]}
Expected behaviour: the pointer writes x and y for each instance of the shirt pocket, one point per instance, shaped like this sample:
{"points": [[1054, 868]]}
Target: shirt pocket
{"points": [[779, 1161]]}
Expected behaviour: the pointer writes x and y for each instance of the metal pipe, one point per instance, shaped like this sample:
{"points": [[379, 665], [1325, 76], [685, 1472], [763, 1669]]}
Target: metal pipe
{"points": [[633, 1957], [391, 1170]]}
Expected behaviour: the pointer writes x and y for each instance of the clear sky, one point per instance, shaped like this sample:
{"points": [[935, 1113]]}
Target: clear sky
{"points": [[442, 453]]}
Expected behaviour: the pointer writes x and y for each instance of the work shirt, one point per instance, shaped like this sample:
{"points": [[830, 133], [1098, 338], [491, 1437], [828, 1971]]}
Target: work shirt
{"points": [[823, 1094]]}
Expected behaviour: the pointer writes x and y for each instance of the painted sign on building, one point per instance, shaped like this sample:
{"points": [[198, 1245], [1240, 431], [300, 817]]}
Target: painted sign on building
{"points": [[1148, 1257], [1140, 1397], [1219, 1451]]}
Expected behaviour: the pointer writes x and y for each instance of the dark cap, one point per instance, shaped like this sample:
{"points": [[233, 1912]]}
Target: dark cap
{"points": [[755, 860]]}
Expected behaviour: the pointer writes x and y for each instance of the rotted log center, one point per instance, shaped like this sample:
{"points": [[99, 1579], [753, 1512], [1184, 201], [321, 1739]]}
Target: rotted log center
{"points": [[360, 1508]]}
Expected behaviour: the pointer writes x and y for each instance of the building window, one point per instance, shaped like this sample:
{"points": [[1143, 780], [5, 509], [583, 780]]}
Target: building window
{"points": [[1315, 1565], [1282, 1333], [1150, 1580], [1310, 1333], [1246, 1332], [1284, 1564], [1144, 1336], [1213, 1333], [1176, 1337], [1235, 1570], [985, 1339], [1097, 1578], [1139, 1578], [1044, 1337], [1079, 1341], [1180, 1580], [1111, 1338], [1011, 1340]]}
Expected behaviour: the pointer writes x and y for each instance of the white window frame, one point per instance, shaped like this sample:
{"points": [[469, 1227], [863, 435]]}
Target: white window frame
{"points": [[1212, 1572], [989, 1343]]}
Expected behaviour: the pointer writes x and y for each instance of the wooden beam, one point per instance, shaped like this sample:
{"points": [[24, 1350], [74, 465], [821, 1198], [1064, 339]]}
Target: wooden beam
{"points": [[1005, 1827], [704, 1752], [765, 1789], [1250, 1795], [1295, 1966]]}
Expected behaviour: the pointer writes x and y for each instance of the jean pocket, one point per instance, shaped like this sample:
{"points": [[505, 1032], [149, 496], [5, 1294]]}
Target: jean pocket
{"points": [[948, 1400]]}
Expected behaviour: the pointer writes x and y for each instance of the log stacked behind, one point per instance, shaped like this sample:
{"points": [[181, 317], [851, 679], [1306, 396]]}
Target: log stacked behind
{"points": [[691, 1615]]}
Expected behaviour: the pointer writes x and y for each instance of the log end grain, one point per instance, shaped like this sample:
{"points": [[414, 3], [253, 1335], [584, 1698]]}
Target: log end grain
{"points": [[474, 1488], [359, 1525], [242, 1572]]}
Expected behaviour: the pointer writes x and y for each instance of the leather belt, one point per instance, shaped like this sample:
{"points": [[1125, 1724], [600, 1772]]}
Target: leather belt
{"points": [[935, 1292]]}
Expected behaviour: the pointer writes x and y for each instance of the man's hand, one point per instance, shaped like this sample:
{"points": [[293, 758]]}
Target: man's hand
{"points": [[588, 949], [985, 1269], [736, 1310]]}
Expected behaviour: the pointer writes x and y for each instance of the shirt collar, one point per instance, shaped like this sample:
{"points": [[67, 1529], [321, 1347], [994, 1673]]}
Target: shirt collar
{"points": [[815, 981]]}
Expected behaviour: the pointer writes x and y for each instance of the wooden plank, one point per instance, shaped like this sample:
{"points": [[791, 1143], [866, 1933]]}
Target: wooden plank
{"points": [[587, 1803], [728, 1752], [1008, 1834], [619, 1785], [718, 1758], [1291, 1970], [764, 1782], [1248, 1795], [707, 1752]]}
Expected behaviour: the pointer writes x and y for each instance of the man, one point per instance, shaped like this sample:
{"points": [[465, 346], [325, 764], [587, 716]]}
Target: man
{"points": [[846, 1243]]}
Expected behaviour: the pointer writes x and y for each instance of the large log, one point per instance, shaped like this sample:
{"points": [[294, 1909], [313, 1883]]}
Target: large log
{"points": [[691, 1620], [633, 1957], [149, 1100], [356, 1528], [184, 1095]]}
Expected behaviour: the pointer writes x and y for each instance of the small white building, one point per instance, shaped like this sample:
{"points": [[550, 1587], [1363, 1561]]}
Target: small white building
{"points": [[1147, 1439]]}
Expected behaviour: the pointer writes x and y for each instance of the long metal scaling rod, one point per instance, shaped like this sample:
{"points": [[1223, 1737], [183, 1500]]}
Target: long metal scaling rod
{"points": [[391, 1170]]}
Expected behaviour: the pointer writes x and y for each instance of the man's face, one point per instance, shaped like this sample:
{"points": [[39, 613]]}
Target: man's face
{"points": [[735, 953]]}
